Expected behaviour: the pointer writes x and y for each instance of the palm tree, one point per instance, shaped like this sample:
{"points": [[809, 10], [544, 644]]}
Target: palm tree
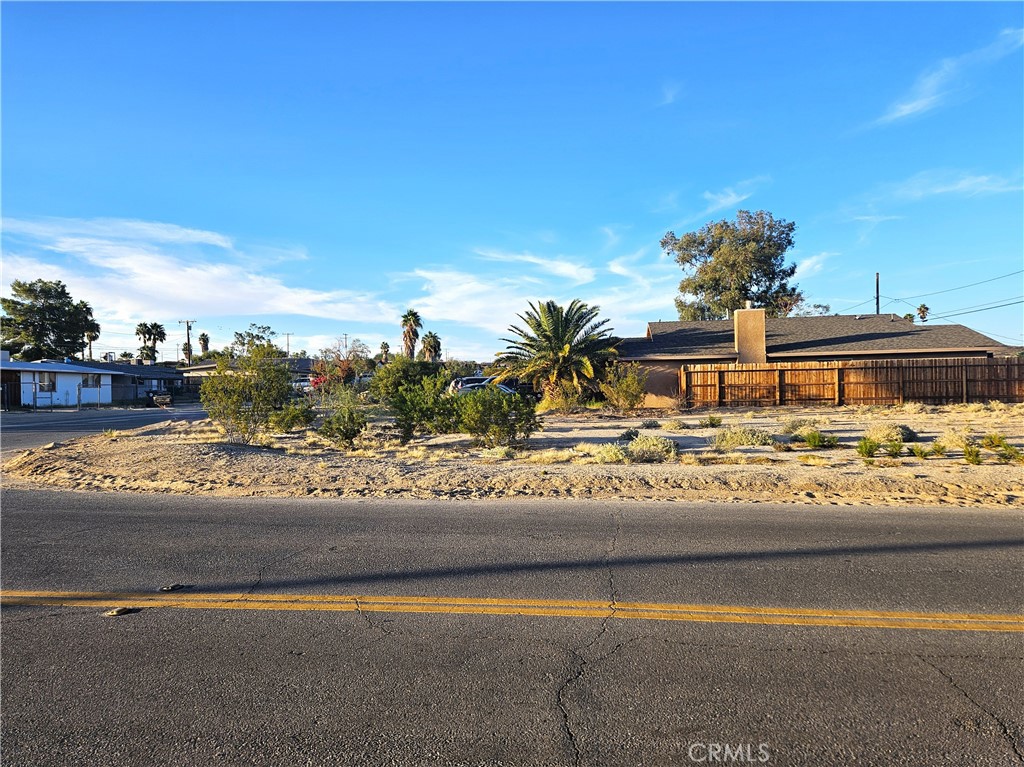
{"points": [[559, 345], [385, 352], [922, 312], [92, 334], [150, 333], [431, 346], [204, 343], [411, 325]]}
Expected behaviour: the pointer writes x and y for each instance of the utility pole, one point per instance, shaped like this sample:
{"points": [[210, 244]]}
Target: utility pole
{"points": [[188, 340], [878, 309], [287, 344], [345, 339]]}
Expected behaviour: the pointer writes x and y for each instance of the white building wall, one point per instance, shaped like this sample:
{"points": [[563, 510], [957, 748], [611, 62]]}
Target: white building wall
{"points": [[66, 391]]}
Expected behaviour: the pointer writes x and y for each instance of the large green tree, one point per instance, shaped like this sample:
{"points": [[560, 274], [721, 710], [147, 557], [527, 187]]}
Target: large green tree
{"points": [[41, 321], [558, 345], [431, 347], [727, 263]]}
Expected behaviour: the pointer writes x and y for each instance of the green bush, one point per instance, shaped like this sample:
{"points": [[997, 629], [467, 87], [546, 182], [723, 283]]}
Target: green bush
{"points": [[294, 415], [401, 371], [624, 386], [938, 449], [994, 442], [920, 451], [243, 393], [562, 398], [494, 418], [710, 422], [343, 426], [648, 448], [650, 423], [797, 426], [425, 405], [818, 441], [629, 435], [609, 453], [867, 447], [972, 453], [893, 448]]}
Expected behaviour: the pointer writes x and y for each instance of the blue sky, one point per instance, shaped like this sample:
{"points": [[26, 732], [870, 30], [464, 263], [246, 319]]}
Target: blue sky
{"points": [[322, 167]]}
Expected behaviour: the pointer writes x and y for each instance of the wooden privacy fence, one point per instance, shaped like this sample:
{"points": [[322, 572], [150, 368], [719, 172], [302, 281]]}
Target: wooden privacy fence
{"points": [[867, 382]]}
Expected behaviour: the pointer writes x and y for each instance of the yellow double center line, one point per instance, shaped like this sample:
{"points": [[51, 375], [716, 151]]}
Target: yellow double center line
{"points": [[782, 616]]}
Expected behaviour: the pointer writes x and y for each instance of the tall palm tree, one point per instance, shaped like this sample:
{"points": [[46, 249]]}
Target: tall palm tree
{"points": [[150, 333], [411, 325], [204, 343], [559, 345], [385, 352], [431, 346], [92, 334]]}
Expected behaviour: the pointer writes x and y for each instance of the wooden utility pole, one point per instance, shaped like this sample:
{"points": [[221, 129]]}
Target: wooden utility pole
{"points": [[878, 308], [188, 340]]}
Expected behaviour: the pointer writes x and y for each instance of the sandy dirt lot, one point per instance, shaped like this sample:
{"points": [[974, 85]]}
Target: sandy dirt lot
{"points": [[560, 461]]}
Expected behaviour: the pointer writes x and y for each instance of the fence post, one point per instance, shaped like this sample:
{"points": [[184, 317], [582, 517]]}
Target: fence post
{"points": [[721, 388], [963, 381], [899, 367], [687, 388], [839, 386], [780, 381]]}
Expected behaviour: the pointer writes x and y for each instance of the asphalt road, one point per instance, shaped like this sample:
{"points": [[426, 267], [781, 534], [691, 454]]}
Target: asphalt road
{"points": [[24, 430], [773, 634]]}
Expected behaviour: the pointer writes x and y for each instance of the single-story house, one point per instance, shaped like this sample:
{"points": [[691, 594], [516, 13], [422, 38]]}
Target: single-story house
{"points": [[52, 384], [300, 369], [55, 383], [751, 337]]}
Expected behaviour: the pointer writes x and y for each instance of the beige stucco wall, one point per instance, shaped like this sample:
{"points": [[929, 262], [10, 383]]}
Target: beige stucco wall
{"points": [[662, 383]]}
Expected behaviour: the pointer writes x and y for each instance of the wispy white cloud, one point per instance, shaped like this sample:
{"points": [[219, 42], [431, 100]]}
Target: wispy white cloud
{"points": [[669, 93], [939, 82], [574, 271], [931, 183], [728, 198], [132, 271], [612, 237], [812, 265], [451, 295]]}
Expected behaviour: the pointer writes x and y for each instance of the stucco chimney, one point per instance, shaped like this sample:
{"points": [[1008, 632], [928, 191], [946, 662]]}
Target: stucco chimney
{"points": [[748, 326]]}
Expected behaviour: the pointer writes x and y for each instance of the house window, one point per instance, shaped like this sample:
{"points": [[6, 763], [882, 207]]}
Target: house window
{"points": [[90, 380], [47, 381]]}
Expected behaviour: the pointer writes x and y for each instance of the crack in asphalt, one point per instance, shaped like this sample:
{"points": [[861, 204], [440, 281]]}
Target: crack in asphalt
{"points": [[1002, 725], [579, 660], [274, 563]]}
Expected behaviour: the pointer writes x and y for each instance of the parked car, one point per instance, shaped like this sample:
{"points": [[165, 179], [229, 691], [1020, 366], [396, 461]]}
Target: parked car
{"points": [[458, 383], [159, 398], [467, 388]]}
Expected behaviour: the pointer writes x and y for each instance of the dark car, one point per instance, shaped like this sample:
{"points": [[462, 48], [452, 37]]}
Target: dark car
{"points": [[159, 398]]}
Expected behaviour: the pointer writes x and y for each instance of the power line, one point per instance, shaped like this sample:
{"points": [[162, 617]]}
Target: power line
{"points": [[975, 311], [962, 287]]}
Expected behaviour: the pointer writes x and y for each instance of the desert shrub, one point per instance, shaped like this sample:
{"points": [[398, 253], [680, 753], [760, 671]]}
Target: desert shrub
{"points": [[624, 386], [938, 449], [972, 454], [890, 432], [498, 453], [243, 392], [494, 418], [294, 415], [424, 405], [867, 447], [740, 436], [818, 441], [920, 451], [796, 426], [343, 426], [710, 422], [629, 435], [1011, 454], [781, 447], [401, 371], [893, 449], [648, 448], [562, 398], [994, 442], [609, 453], [650, 423], [813, 460], [956, 438], [677, 424]]}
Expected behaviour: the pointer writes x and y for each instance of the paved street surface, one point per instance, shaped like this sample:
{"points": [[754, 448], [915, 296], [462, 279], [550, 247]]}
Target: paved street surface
{"points": [[487, 633], [24, 430]]}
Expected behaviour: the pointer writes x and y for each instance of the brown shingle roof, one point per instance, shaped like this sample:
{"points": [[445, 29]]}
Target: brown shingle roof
{"points": [[811, 336]]}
